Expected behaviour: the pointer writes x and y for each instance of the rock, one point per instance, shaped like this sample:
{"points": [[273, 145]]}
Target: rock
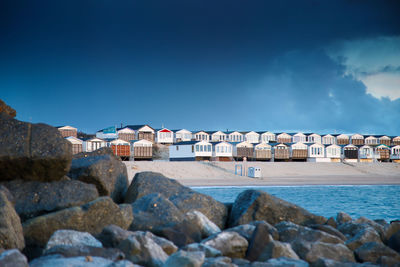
{"points": [[87, 261], [366, 235], [11, 233], [321, 262], [8, 194], [271, 230], [32, 151], [377, 227], [328, 229], [142, 250], [6, 109], [102, 169], [231, 244], [13, 258], [388, 261], [276, 249], [127, 213], [343, 217], [166, 245], [392, 229], [206, 227], [245, 230], [182, 233], [33, 198], [394, 241], [185, 259], [218, 262], [331, 222], [371, 252], [72, 238], [210, 252], [69, 251], [254, 205], [284, 262], [311, 252], [184, 198], [91, 217], [258, 242], [290, 232]]}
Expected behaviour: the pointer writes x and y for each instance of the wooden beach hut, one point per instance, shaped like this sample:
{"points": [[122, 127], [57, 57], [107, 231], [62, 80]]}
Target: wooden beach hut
{"points": [[299, 151], [202, 136], [120, 148], [244, 149], [333, 152], [252, 137], [299, 138], [371, 140], [383, 153], [316, 153], [67, 131], [267, 137], [357, 140], [126, 134], [203, 150], [223, 151], [218, 136], [350, 153], [281, 152], [314, 138], [396, 141], [385, 140], [165, 136], [235, 136], [76, 144], [328, 139], [263, 152], [182, 151], [183, 135], [92, 144], [366, 153], [343, 139], [141, 149], [284, 138], [395, 154]]}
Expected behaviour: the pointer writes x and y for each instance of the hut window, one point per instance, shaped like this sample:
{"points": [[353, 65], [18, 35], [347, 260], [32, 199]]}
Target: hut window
{"points": [[197, 148], [192, 148], [177, 148], [209, 148]]}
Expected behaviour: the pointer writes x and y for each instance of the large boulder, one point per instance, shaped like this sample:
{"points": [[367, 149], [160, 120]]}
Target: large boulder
{"points": [[282, 262], [366, 235], [11, 234], [184, 198], [255, 205], [13, 258], [312, 251], [185, 259], [32, 151], [103, 169], [394, 241], [210, 252], [4, 108], [372, 252], [231, 244], [72, 238], [206, 227], [33, 198], [258, 242], [276, 249], [328, 229]]}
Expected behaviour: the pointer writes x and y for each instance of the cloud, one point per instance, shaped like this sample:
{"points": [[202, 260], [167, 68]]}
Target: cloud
{"points": [[376, 62]]}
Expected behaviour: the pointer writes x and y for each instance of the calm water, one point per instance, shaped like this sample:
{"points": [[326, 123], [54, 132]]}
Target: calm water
{"points": [[371, 201]]}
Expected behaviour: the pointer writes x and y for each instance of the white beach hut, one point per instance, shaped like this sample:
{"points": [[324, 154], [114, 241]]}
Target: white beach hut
{"points": [[263, 152], [366, 153], [142, 149], [395, 154], [202, 136], [396, 140], [314, 138], [126, 134], [267, 137], [223, 151], [284, 138], [183, 135], [252, 137], [165, 136], [76, 144], [299, 137], [182, 151], [371, 140], [333, 152], [235, 137], [316, 153], [218, 136], [328, 139], [67, 131], [203, 150], [92, 144]]}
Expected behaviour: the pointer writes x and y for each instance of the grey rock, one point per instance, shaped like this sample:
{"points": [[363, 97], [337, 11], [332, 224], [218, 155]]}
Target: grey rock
{"points": [[13, 258], [69, 251], [328, 229], [103, 169], [11, 233], [394, 241], [182, 233], [388, 261], [185, 259], [392, 229], [321, 262], [33, 198], [127, 213], [6, 109], [32, 151], [366, 235], [258, 242], [72, 238], [377, 227], [206, 227], [210, 252], [331, 222], [371, 252], [184, 198], [271, 229], [231, 244], [218, 262], [254, 205], [59, 261], [245, 230], [311, 252], [343, 217], [276, 249], [284, 262]]}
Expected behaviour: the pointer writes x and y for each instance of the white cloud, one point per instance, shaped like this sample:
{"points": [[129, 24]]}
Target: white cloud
{"points": [[383, 85]]}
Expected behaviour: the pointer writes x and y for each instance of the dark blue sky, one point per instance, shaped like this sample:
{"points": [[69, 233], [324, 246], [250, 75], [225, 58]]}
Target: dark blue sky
{"points": [[320, 66]]}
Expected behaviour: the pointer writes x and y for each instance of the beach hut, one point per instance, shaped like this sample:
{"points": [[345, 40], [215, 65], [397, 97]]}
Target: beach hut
{"points": [[343, 139], [396, 141], [183, 135], [299, 138], [203, 150], [182, 151], [244, 149], [316, 153], [371, 140], [263, 152], [383, 153], [357, 140], [366, 153], [120, 148], [350, 153], [299, 151], [223, 151], [141, 149], [126, 134], [284, 138], [385, 140], [252, 137], [76, 144], [92, 144], [267, 137], [395, 153], [67, 131], [281, 152], [333, 152], [218, 136], [107, 133], [165, 136], [235, 136], [202, 136], [328, 139], [314, 138]]}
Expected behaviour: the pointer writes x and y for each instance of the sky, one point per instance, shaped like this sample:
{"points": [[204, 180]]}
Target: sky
{"points": [[310, 66]]}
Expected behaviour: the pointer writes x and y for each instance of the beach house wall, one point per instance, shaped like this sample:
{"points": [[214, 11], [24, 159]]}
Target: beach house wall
{"points": [[299, 151], [343, 139], [202, 136], [223, 151], [371, 140], [350, 153], [316, 153], [141, 149], [314, 138], [120, 148], [263, 152], [145, 132], [284, 138], [252, 137], [366, 153], [235, 137], [76, 144], [183, 135], [203, 150], [395, 154], [385, 140], [383, 153], [67, 131], [333, 152], [357, 140], [218, 136], [267, 137], [281, 152], [165, 136], [182, 151], [244, 149], [92, 144], [328, 139], [396, 141], [299, 138], [126, 134]]}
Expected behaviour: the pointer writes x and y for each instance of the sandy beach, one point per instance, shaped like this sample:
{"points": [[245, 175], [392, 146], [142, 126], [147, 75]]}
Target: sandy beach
{"points": [[273, 173]]}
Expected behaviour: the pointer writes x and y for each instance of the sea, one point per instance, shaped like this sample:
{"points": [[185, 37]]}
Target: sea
{"points": [[371, 201]]}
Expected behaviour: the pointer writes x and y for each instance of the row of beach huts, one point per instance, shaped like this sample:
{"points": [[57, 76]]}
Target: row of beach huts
{"points": [[137, 142]]}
